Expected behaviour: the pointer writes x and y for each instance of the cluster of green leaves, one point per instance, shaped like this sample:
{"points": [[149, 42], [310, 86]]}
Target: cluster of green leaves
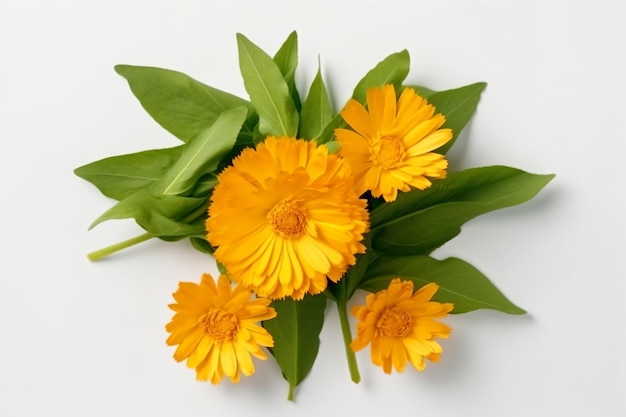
{"points": [[167, 191]]}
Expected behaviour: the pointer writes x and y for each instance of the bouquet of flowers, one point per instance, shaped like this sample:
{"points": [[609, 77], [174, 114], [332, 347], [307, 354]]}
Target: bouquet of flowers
{"points": [[301, 206]]}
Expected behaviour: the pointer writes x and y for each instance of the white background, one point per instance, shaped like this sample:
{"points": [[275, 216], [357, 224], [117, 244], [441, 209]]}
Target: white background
{"points": [[88, 339]]}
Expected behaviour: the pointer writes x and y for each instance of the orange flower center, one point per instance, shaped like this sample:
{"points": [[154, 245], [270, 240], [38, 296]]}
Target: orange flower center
{"points": [[220, 324], [287, 219], [394, 322], [391, 152]]}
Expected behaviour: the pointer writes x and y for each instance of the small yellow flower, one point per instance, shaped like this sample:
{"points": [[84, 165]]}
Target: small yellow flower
{"points": [[401, 325], [284, 217], [214, 328], [390, 146]]}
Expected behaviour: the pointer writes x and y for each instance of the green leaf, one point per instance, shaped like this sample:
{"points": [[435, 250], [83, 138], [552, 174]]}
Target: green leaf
{"points": [[296, 331], [287, 61], [183, 106], [333, 146], [204, 185], [316, 111], [328, 134], [459, 282], [343, 290], [419, 221], [391, 70], [202, 154], [221, 268], [422, 91], [458, 106], [268, 90], [202, 245], [120, 176], [163, 216], [196, 220]]}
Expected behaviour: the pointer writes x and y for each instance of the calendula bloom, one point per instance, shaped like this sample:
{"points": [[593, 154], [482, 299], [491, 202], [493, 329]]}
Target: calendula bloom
{"points": [[215, 328], [285, 216], [391, 146], [401, 326]]}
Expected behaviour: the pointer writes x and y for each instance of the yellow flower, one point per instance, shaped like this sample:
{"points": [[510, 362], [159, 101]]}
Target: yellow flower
{"points": [[400, 325], [390, 146], [285, 216], [214, 328]]}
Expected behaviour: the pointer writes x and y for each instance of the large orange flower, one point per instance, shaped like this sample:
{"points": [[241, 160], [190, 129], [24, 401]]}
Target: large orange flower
{"points": [[215, 328], [390, 148], [401, 325], [284, 217]]}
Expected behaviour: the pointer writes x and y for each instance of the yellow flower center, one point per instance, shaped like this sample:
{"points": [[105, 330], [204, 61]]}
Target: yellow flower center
{"points": [[220, 324], [287, 219], [394, 322], [391, 152]]}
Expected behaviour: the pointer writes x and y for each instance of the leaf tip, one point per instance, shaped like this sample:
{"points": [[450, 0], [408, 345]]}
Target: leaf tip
{"points": [[121, 69], [241, 37], [517, 311], [546, 178], [406, 57]]}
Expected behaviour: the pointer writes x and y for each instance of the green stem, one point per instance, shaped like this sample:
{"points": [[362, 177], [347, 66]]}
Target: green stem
{"points": [[292, 389], [102, 253], [342, 307], [109, 250]]}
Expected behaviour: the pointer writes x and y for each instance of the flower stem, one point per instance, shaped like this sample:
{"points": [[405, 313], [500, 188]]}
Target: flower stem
{"points": [[342, 307], [292, 389], [102, 253]]}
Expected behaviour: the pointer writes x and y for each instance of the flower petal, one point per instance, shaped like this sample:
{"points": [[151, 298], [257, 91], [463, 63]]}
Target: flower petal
{"points": [[303, 221], [399, 136], [399, 326], [219, 335]]}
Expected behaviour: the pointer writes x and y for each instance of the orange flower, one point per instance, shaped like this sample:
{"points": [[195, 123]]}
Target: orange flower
{"points": [[401, 326], [214, 328], [284, 217], [389, 149]]}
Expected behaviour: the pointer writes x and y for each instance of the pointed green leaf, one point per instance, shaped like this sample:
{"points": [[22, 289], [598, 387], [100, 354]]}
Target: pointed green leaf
{"points": [[296, 331], [183, 106], [287, 61], [204, 185], [192, 229], [160, 216], [458, 106], [328, 134], [202, 154], [316, 111], [391, 70], [221, 268], [459, 282], [419, 221], [423, 91], [343, 290], [333, 146], [268, 90], [120, 176], [202, 245]]}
